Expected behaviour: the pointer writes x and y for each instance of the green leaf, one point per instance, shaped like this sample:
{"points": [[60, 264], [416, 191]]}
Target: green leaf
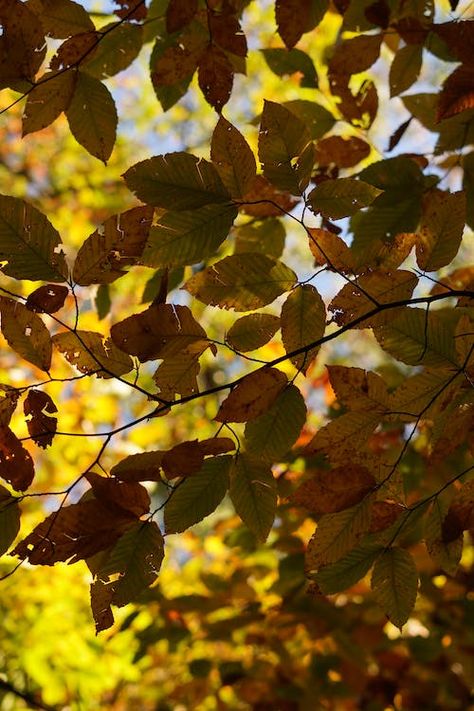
{"points": [[405, 68], [283, 62], [188, 236], [468, 186], [117, 243], [198, 495], [119, 45], [167, 95], [233, 158], [9, 519], [271, 435], [61, 18], [266, 237], [47, 100], [341, 197], [348, 570], [394, 175], [103, 301], [303, 321], [137, 558], [251, 332], [395, 584], [441, 229], [26, 333], [29, 243], [316, 118], [416, 338], [176, 181], [243, 282], [282, 138], [92, 116], [253, 493], [336, 534]]}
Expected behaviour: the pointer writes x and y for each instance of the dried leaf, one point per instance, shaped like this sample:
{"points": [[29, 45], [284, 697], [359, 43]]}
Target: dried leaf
{"points": [[252, 396], [41, 425], [334, 490], [26, 333], [47, 299], [303, 321], [16, 464]]}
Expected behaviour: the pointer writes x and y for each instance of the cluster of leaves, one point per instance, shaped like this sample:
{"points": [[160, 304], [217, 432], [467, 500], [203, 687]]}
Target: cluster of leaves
{"points": [[390, 470]]}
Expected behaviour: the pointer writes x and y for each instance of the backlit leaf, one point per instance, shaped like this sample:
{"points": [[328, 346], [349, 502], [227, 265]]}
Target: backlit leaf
{"points": [[233, 158], [16, 464], [120, 44], [179, 13], [445, 554], [136, 558], [116, 244], [253, 493], [282, 137], [92, 116], [26, 333], [188, 236], [348, 570], [271, 435], [253, 331], [303, 321], [199, 495], [215, 77], [341, 197], [395, 584], [161, 331], [47, 299], [368, 291], [440, 231], [176, 181], [405, 68], [41, 425], [9, 519], [283, 62], [252, 396], [340, 151], [91, 353], [29, 243], [294, 18], [460, 515], [48, 99], [242, 282], [335, 490], [336, 534], [62, 18]]}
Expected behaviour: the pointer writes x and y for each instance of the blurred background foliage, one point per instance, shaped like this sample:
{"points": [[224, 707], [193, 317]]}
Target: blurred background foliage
{"points": [[231, 623]]}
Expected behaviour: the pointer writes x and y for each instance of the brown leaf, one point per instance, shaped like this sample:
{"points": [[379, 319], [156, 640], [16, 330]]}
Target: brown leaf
{"points": [[47, 299], [362, 296], [116, 244], [22, 43], [460, 516], [25, 333], [178, 375], [295, 17], [328, 248], [358, 389], [145, 466], [47, 100], [233, 158], [8, 405], [459, 36], [131, 9], [384, 514], [355, 55], [215, 77], [334, 490], [186, 458], [343, 152], [264, 200], [16, 464], [162, 331], [179, 13], [74, 50], [41, 426], [457, 93], [122, 498], [101, 598], [73, 533], [225, 30], [253, 396], [179, 61], [359, 108]]}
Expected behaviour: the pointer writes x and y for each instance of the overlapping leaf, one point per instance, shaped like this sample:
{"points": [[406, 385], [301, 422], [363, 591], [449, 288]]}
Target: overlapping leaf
{"points": [[253, 493]]}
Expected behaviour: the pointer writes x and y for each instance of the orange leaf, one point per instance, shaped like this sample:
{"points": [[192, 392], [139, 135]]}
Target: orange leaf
{"points": [[253, 396]]}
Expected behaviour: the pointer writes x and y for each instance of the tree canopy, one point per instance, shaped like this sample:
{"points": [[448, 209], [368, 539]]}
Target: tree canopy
{"points": [[237, 336]]}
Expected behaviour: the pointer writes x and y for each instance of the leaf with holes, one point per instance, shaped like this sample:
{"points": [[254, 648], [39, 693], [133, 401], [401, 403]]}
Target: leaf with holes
{"points": [[26, 333]]}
